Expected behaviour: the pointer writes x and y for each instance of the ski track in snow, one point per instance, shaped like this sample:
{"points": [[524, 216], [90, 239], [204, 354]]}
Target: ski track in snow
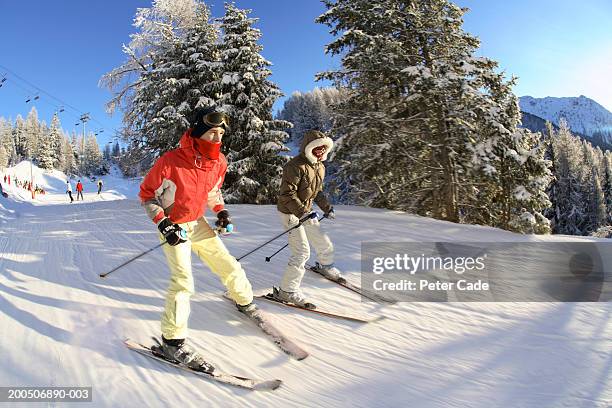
{"points": [[65, 325]]}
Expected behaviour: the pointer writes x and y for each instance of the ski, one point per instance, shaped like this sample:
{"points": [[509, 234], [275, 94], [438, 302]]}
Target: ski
{"points": [[269, 298], [263, 321], [352, 287], [216, 375]]}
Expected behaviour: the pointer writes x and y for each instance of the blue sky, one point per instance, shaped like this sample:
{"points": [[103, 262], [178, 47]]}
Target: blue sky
{"points": [[556, 48]]}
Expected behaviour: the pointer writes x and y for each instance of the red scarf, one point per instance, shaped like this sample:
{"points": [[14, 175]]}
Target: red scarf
{"points": [[207, 149]]}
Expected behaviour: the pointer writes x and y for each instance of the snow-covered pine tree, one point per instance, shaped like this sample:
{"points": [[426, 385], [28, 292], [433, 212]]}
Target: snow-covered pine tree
{"points": [[511, 193], [569, 201], [6, 139], [116, 151], [56, 136], [418, 103], [549, 154], [106, 152], [33, 134], [4, 157], [19, 139], [68, 154], [93, 156], [309, 110], [45, 156], [171, 63], [598, 203], [607, 186], [247, 95], [591, 188]]}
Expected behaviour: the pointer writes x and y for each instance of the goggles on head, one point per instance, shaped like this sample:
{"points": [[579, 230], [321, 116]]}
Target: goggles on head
{"points": [[216, 119]]}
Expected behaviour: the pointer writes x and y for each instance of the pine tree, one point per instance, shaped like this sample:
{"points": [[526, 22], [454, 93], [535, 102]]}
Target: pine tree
{"points": [[607, 187], [310, 110], [56, 137], [32, 134], [569, 200], [598, 204], [19, 139], [45, 156], [426, 125], [252, 146], [174, 60], [93, 156], [116, 151], [106, 155], [6, 139], [69, 158], [4, 157]]}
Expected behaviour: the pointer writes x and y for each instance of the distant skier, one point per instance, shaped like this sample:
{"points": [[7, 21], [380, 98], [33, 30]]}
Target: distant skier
{"points": [[69, 190], [79, 188], [99, 186], [175, 194], [301, 185]]}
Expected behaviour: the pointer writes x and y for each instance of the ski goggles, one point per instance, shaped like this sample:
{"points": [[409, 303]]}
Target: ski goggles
{"points": [[216, 119]]}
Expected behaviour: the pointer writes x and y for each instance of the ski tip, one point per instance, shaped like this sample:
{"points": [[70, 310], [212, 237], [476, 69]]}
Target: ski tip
{"points": [[377, 319], [270, 385]]}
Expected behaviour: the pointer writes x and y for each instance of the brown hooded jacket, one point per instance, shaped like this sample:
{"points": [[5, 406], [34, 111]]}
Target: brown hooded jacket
{"points": [[303, 178]]}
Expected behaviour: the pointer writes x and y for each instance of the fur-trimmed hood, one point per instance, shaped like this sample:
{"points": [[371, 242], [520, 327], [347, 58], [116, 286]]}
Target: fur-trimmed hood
{"points": [[312, 139]]}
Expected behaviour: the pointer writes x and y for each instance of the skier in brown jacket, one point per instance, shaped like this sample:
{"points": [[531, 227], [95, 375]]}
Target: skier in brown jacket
{"points": [[301, 186]]}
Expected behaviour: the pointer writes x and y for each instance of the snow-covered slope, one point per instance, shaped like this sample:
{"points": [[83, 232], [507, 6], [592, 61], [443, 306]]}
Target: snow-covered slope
{"points": [[582, 114], [115, 187], [63, 326]]}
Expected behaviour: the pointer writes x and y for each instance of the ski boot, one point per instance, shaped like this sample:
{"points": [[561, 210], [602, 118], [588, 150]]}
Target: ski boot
{"points": [[250, 310], [176, 351], [295, 298], [329, 271]]}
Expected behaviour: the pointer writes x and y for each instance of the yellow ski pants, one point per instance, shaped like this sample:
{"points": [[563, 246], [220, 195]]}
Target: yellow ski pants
{"points": [[203, 241]]}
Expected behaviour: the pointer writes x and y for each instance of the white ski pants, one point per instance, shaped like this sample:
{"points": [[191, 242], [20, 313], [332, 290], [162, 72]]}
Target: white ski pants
{"points": [[203, 241], [300, 239]]}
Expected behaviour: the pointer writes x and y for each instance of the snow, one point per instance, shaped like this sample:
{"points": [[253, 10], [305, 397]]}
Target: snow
{"points": [[583, 115], [66, 324]]}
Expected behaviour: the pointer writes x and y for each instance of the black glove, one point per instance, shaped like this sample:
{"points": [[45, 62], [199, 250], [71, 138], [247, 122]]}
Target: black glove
{"points": [[223, 219], [173, 233], [331, 214]]}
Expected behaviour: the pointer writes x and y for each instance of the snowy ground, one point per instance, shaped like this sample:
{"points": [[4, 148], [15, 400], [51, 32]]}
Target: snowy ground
{"points": [[63, 326]]}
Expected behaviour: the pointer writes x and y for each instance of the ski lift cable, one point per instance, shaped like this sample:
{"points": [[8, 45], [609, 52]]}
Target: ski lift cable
{"points": [[91, 118], [28, 94]]}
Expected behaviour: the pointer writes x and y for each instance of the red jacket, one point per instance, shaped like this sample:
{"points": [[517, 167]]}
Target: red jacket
{"points": [[182, 183], [79, 186]]}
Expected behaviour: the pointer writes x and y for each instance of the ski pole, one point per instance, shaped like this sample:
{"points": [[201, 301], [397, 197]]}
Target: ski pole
{"points": [[306, 218], [104, 275], [287, 244]]}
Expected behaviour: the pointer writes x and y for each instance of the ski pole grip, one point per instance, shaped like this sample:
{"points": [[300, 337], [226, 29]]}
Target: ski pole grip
{"points": [[309, 217]]}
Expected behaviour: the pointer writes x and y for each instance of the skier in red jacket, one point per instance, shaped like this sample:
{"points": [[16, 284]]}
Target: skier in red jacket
{"points": [[79, 188], [175, 194]]}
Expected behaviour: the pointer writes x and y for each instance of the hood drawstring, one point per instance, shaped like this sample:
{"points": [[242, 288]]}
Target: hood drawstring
{"points": [[198, 160]]}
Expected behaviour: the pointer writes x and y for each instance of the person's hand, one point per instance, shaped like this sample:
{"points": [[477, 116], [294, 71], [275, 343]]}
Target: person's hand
{"points": [[308, 216], [223, 219], [224, 222], [331, 214], [173, 233]]}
